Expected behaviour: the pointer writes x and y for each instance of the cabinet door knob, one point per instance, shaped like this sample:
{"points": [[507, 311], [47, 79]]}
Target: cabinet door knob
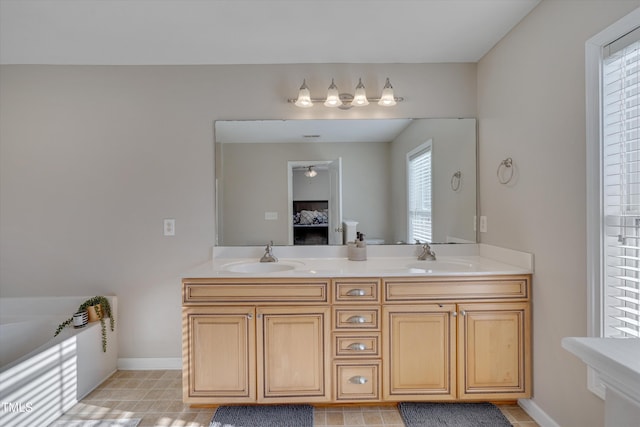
{"points": [[357, 346], [464, 313], [356, 293], [356, 319], [358, 379], [454, 314], [249, 316]]}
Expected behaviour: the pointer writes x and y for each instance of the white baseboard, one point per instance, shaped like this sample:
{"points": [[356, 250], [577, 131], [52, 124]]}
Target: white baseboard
{"points": [[149, 363], [97, 384], [538, 415]]}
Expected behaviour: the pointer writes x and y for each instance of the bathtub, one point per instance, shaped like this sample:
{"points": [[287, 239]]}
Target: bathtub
{"points": [[41, 377]]}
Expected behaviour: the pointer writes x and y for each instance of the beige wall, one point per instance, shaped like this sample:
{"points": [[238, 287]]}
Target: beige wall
{"points": [[93, 158], [531, 106]]}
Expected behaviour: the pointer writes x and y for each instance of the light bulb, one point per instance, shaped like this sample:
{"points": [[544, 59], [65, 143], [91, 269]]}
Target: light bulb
{"points": [[387, 99], [311, 172], [333, 96], [304, 96], [360, 96]]}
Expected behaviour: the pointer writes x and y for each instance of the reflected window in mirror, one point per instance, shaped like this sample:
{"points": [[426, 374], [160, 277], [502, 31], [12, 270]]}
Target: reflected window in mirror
{"points": [[419, 194]]}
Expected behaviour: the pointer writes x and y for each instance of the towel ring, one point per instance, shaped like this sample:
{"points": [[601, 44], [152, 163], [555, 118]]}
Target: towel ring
{"points": [[508, 165], [455, 181]]}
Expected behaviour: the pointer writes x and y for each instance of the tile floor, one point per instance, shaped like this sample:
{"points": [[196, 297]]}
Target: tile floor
{"points": [[156, 398]]}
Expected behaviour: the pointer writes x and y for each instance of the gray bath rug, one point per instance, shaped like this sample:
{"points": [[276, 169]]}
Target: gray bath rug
{"points": [[131, 422], [263, 416], [452, 415]]}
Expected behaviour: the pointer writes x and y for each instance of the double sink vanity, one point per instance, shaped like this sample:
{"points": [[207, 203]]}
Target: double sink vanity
{"points": [[315, 327]]}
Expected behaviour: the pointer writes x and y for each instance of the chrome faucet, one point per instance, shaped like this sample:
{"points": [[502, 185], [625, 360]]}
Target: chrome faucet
{"points": [[268, 254], [427, 253]]}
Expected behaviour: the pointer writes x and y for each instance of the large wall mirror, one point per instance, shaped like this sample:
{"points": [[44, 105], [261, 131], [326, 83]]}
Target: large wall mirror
{"points": [[266, 190]]}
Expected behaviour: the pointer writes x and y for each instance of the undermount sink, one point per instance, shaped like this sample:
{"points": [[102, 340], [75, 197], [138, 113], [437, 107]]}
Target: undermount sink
{"points": [[441, 266], [262, 267]]}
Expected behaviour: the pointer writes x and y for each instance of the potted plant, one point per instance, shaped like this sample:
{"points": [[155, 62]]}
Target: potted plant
{"points": [[100, 308]]}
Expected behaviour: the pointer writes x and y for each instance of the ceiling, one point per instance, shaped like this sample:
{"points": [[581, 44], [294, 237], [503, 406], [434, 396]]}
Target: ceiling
{"points": [[141, 32]]}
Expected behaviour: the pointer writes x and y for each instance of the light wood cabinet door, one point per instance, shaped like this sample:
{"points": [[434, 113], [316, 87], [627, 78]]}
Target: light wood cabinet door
{"points": [[493, 350], [293, 354], [419, 362], [219, 349]]}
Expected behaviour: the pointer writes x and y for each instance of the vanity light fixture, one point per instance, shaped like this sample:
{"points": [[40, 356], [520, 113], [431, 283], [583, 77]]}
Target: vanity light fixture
{"points": [[345, 101], [311, 172]]}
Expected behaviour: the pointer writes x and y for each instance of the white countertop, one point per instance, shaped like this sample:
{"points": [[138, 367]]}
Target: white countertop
{"points": [[616, 359], [378, 266]]}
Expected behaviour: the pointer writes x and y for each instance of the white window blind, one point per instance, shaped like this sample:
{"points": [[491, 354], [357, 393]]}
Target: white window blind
{"points": [[621, 187], [419, 197]]}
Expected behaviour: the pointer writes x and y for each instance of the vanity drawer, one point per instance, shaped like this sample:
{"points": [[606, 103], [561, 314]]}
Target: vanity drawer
{"points": [[356, 317], [353, 291], [357, 380], [441, 288], [350, 344], [264, 291]]}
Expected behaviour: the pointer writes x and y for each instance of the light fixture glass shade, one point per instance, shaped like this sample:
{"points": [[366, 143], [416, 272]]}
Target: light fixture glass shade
{"points": [[360, 96], [304, 96], [311, 172], [387, 99], [333, 96]]}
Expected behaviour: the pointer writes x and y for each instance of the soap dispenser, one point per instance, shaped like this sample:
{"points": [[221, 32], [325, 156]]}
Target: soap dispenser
{"points": [[357, 250]]}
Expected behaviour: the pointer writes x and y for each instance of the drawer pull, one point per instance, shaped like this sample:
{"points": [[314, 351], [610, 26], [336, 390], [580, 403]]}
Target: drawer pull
{"points": [[356, 293], [358, 379], [357, 346], [356, 319]]}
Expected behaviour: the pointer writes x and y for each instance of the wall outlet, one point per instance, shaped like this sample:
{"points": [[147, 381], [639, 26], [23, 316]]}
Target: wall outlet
{"points": [[169, 227], [270, 216], [483, 224]]}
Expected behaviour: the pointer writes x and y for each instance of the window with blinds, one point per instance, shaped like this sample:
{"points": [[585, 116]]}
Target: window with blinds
{"points": [[419, 193], [621, 187]]}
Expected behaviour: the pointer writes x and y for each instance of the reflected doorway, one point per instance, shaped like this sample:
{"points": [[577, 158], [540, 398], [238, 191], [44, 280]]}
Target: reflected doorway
{"points": [[315, 202]]}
